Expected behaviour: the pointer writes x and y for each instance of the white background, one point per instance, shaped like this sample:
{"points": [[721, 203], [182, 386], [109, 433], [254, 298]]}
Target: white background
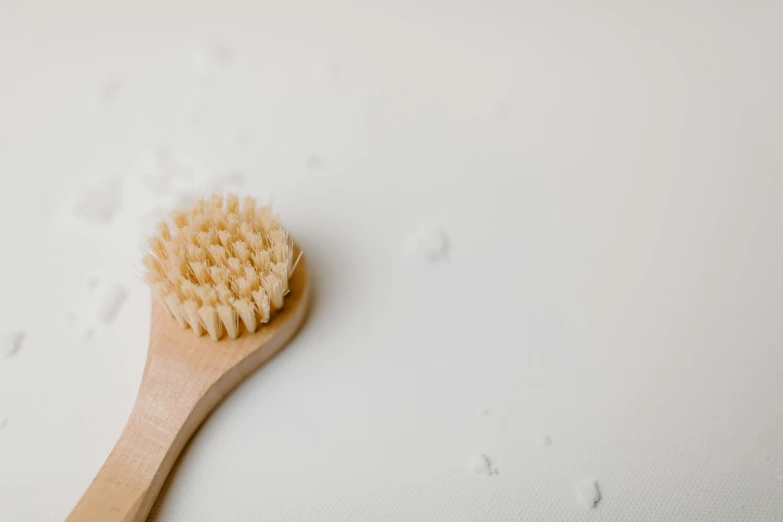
{"points": [[610, 176]]}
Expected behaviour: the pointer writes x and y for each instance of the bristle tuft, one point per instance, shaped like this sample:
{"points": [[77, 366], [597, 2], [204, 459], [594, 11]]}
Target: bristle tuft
{"points": [[221, 264]]}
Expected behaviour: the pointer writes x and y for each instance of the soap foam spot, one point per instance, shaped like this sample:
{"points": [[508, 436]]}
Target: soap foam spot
{"points": [[502, 111], [96, 306], [111, 303], [335, 69], [13, 343], [433, 244], [100, 202], [109, 90], [208, 60], [482, 465], [242, 139], [314, 162], [588, 493], [161, 171]]}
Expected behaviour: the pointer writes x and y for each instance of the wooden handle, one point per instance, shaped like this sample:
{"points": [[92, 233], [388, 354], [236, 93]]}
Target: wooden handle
{"points": [[185, 378], [158, 429]]}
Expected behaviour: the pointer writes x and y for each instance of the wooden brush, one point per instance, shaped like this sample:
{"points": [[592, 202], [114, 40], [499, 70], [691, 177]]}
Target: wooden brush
{"points": [[222, 269]]}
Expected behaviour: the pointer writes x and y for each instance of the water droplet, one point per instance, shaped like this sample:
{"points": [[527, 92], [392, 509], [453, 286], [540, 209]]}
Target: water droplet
{"points": [[3, 422], [335, 69], [482, 465], [314, 162], [588, 493], [112, 302], [100, 202], [502, 111], [206, 59], [242, 139], [110, 88], [433, 244], [545, 440], [13, 343]]}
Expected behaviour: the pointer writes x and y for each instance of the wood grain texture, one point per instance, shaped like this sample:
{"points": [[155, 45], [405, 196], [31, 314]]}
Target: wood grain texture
{"points": [[184, 379]]}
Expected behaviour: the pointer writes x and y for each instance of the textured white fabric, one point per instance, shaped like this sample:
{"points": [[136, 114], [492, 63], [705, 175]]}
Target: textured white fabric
{"points": [[605, 182]]}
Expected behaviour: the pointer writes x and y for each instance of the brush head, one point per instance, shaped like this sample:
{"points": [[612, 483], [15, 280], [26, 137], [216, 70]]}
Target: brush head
{"points": [[220, 263]]}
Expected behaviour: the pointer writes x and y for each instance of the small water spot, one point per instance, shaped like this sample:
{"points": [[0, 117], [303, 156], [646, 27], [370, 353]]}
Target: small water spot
{"points": [[196, 113], [482, 412], [3, 422], [92, 283], [100, 202], [208, 58], [502, 111], [112, 302], [13, 343], [545, 440], [314, 162], [109, 90], [433, 244], [588, 493], [482, 465], [335, 69], [242, 139]]}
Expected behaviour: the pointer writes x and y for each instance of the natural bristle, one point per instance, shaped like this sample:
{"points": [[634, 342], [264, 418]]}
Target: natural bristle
{"points": [[220, 265]]}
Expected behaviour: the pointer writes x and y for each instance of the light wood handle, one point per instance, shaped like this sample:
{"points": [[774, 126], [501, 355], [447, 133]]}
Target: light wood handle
{"points": [[185, 378], [158, 429]]}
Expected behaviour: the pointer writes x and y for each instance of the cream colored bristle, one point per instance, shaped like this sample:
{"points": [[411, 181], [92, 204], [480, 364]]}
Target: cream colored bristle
{"points": [[219, 275], [175, 308], [262, 304], [220, 265], [247, 313], [234, 266], [180, 218], [200, 272], [261, 261], [224, 236], [163, 231], [243, 287], [230, 320], [224, 294], [274, 289], [232, 203], [241, 251], [199, 207], [209, 319], [158, 247], [190, 312]]}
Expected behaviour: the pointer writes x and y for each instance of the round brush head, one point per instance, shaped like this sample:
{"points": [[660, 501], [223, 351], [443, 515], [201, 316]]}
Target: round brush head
{"points": [[220, 264]]}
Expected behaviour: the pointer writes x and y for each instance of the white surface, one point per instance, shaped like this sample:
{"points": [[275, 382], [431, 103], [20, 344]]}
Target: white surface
{"points": [[610, 178]]}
